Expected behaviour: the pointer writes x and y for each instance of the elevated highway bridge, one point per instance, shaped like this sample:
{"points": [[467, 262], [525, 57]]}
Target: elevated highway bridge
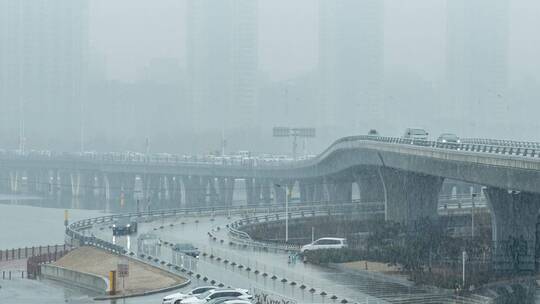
{"points": [[407, 175]]}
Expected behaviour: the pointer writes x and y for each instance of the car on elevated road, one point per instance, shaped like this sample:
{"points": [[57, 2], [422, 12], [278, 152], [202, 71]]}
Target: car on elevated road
{"points": [[175, 298], [416, 135], [449, 138]]}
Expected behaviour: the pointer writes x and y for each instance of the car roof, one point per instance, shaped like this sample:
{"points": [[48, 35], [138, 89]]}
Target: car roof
{"points": [[331, 238], [211, 287]]}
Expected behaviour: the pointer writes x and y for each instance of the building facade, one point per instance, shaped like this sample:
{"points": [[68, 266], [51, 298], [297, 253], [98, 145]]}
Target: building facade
{"points": [[222, 64], [43, 47]]}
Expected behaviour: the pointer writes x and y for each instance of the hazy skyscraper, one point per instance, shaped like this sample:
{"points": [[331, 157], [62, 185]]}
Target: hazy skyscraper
{"points": [[351, 38], [222, 57], [477, 63], [43, 46]]}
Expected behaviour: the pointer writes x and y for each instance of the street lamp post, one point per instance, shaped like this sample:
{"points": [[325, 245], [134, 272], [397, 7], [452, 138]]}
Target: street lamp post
{"points": [[472, 215], [286, 215]]}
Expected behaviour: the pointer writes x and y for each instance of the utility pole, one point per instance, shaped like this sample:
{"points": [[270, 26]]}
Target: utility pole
{"points": [[22, 135], [287, 193], [82, 127], [464, 258]]}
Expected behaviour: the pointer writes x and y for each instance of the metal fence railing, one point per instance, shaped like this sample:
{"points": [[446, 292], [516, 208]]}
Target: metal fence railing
{"points": [[27, 252], [33, 264]]}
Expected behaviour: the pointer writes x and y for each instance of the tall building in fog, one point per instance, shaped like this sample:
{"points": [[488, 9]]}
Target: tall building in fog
{"points": [[477, 64], [43, 46], [222, 57], [351, 64]]}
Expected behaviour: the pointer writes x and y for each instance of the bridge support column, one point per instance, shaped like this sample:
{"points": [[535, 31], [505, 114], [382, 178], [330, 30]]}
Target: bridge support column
{"points": [[410, 196], [370, 185], [172, 186], [266, 191], [514, 217], [250, 191], [319, 190], [230, 190], [188, 190], [303, 191], [279, 192], [14, 181], [213, 197], [257, 191]]}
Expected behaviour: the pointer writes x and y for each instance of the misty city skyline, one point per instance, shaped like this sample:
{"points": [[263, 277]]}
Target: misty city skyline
{"points": [[140, 75]]}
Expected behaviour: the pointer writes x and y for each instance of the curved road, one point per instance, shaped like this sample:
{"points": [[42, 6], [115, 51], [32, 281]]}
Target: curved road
{"points": [[355, 287]]}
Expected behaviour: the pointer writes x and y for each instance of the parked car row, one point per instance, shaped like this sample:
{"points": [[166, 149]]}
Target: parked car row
{"points": [[210, 295]]}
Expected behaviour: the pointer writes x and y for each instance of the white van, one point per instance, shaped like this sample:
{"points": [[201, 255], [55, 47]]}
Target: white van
{"points": [[325, 243], [415, 134]]}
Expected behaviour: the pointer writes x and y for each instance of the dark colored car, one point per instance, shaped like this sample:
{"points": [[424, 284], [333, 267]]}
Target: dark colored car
{"points": [[187, 249], [373, 132], [124, 226]]}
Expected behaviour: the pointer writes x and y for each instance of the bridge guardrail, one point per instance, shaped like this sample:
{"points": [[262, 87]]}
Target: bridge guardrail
{"points": [[502, 142], [488, 146], [244, 238], [73, 231]]}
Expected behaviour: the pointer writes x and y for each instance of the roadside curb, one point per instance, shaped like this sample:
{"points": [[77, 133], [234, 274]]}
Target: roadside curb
{"points": [[146, 293]]}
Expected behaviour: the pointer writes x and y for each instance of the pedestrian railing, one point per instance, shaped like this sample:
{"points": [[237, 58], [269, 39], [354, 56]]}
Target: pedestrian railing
{"points": [[33, 264], [27, 252]]}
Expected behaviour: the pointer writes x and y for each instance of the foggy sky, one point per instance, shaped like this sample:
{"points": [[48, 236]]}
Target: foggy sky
{"points": [[139, 88]]}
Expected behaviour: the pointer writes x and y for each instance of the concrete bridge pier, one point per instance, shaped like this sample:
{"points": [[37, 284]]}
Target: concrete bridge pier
{"points": [[151, 188], [370, 185], [279, 192], [5, 181], [188, 190], [213, 197], [257, 190], [303, 185], [318, 190], [115, 189], [514, 218], [195, 193], [342, 191], [266, 192], [172, 187], [222, 191], [250, 191], [409, 196], [231, 181], [14, 181], [64, 183], [80, 184]]}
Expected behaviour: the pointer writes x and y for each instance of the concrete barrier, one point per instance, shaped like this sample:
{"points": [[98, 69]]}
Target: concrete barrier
{"points": [[80, 279]]}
